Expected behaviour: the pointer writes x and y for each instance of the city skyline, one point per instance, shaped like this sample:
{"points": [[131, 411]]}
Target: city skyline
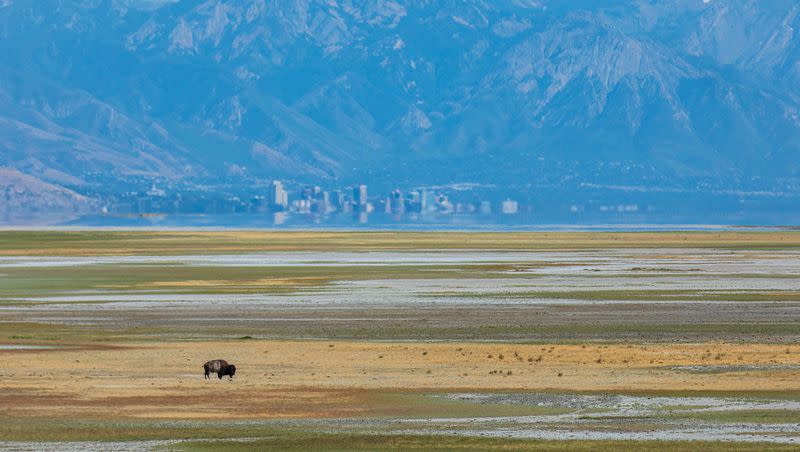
{"points": [[689, 107]]}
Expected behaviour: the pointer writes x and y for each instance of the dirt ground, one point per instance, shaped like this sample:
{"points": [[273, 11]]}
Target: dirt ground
{"points": [[103, 335], [324, 379]]}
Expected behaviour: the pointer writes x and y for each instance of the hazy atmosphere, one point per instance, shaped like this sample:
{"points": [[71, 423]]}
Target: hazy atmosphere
{"points": [[420, 225], [134, 112]]}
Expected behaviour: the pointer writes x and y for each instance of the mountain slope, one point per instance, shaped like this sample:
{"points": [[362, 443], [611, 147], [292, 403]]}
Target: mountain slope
{"points": [[23, 193], [696, 95]]}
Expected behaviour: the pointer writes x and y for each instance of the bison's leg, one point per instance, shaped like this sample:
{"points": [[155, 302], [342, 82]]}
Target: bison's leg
{"points": [[220, 374], [208, 372]]}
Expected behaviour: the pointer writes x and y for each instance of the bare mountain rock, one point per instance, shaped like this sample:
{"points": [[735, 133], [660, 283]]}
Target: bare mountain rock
{"points": [[690, 94]]}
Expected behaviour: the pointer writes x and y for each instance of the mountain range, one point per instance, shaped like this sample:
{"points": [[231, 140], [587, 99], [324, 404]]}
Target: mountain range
{"points": [[695, 96]]}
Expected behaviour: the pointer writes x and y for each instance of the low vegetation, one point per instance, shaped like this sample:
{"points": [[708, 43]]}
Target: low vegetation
{"points": [[89, 243], [324, 367]]}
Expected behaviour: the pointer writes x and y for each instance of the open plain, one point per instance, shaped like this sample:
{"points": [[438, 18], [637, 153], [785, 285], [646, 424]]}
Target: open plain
{"points": [[378, 340]]}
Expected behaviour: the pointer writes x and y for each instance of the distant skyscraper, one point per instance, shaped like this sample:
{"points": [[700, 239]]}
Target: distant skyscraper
{"points": [[337, 200], [278, 198], [360, 197], [428, 201], [322, 203]]}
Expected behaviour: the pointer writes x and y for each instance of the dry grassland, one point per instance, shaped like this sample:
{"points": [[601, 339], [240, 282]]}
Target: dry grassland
{"points": [[321, 379]]}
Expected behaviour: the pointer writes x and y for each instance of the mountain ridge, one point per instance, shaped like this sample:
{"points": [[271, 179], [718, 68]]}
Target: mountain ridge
{"points": [[689, 94]]}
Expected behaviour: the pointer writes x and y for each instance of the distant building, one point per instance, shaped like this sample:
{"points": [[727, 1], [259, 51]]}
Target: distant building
{"points": [[310, 193], [414, 202], [336, 199], [485, 208], [509, 207], [360, 198], [278, 198], [258, 204], [301, 206], [426, 201], [322, 203], [465, 207], [398, 202], [444, 205], [155, 191]]}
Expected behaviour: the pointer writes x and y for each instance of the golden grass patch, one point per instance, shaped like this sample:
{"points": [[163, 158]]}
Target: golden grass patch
{"points": [[287, 379]]}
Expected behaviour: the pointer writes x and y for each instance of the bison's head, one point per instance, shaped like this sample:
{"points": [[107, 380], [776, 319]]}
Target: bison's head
{"points": [[231, 370]]}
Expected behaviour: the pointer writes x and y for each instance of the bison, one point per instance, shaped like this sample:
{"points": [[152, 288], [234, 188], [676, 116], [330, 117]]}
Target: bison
{"points": [[220, 367]]}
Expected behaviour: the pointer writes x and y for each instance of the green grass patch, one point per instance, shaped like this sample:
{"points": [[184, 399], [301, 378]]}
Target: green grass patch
{"points": [[358, 442], [752, 416], [28, 282], [412, 404], [389, 330], [632, 295], [226, 436]]}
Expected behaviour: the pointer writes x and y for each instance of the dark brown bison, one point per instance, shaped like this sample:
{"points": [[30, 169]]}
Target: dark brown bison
{"points": [[220, 367]]}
